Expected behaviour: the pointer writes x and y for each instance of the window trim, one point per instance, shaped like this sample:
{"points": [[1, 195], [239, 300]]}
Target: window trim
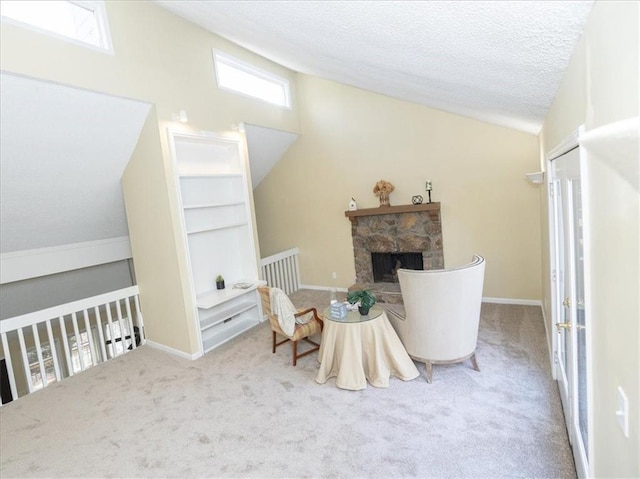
{"points": [[231, 61], [100, 11]]}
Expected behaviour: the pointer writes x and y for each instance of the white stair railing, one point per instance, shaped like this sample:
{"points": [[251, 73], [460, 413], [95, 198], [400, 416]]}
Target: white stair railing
{"points": [[282, 271], [110, 325]]}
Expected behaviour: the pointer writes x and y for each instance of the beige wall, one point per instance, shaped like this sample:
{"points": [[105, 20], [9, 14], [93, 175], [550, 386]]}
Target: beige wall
{"points": [[163, 297], [351, 138], [601, 86], [167, 62]]}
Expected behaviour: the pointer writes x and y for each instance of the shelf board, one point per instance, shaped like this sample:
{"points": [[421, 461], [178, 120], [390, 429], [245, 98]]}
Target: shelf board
{"points": [[235, 328], [213, 205], [218, 296], [204, 230], [432, 208], [211, 175], [225, 314]]}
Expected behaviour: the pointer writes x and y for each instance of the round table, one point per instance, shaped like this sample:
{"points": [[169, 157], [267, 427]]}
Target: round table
{"points": [[357, 349]]}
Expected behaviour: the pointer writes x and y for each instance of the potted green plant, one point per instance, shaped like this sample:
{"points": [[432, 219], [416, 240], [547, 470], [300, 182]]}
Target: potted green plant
{"points": [[219, 282], [365, 297]]}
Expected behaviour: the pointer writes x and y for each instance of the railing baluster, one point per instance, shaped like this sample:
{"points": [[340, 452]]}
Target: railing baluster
{"points": [[65, 345], [294, 273], [9, 364], [268, 276], [288, 264], [54, 350], [36, 342], [130, 319], [92, 346], [285, 276], [279, 275], [287, 267], [74, 320], [25, 360], [285, 279], [274, 279], [103, 345], [110, 325], [274, 274], [285, 273], [297, 272], [123, 332]]}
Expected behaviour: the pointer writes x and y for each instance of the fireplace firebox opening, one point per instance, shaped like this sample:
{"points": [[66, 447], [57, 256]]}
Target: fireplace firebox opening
{"points": [[386, 265]]}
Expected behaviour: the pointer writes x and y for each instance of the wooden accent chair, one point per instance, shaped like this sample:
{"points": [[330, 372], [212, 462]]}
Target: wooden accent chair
{"points": [[302, 331], [442, 314]]}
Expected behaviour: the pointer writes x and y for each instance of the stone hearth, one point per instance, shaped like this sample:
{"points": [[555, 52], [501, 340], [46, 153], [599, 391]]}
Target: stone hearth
{"points": [[395, 229]]}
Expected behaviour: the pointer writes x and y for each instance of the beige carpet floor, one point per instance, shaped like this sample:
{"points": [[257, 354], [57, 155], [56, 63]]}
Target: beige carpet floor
{"points": [[241, 411]]}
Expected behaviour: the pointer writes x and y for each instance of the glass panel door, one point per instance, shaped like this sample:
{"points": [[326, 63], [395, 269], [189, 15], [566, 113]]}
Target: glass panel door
{"points": [[570, 315], [561, 311], [581, 342]]}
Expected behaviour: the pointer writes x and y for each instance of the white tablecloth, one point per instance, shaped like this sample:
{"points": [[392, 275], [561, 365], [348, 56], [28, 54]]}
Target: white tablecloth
{"points": [[356, 352]]}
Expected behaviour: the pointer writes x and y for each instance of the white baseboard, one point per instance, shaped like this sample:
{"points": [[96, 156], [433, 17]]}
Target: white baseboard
{"points": [[323, 288], [172, 351], [523, 302]]}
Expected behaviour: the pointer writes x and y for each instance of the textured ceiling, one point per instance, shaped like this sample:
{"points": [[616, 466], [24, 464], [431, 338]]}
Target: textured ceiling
{"points": [[500, 62]]}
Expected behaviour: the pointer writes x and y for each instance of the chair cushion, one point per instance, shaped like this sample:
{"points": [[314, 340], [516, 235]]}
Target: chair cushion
{"points": [[305, 330], [301, 327]]}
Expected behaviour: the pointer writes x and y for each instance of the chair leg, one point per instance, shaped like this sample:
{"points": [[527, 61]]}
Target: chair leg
{"points": [[474, 362], [295, 352], [274, 341], [428, 368]]}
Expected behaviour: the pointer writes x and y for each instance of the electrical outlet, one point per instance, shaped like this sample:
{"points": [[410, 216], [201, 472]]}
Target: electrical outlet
{"points": [[622, 412], [334, 275]]}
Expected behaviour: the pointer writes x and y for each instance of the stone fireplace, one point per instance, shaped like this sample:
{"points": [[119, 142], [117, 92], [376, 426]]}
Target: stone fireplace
{"points": [[395, 230]]}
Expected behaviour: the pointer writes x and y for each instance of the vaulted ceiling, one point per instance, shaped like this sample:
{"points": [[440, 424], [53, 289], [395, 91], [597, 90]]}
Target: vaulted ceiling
{"points": [[496, 61]]}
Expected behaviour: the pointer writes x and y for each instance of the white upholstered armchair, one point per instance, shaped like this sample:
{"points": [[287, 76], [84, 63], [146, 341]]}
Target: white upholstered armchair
{"points": [[442, 313]]}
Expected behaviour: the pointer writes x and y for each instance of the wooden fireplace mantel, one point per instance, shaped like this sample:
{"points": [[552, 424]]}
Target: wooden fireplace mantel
{"points": [[432, 208]]}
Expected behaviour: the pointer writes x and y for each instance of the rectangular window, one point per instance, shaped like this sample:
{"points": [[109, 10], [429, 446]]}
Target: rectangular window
{"points": [[34, 366], [81, 22], [77, 348], [237, 76]]}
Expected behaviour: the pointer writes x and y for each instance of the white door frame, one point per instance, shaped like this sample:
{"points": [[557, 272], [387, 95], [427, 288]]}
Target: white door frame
{"points": [[584, 467], [565, 146]]}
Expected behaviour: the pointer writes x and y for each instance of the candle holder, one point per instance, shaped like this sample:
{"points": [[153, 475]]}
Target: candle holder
{"points": [[428, 187]]}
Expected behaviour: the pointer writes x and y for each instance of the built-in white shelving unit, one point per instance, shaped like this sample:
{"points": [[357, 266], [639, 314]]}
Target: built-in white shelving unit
{"points": [[218, 232]]}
